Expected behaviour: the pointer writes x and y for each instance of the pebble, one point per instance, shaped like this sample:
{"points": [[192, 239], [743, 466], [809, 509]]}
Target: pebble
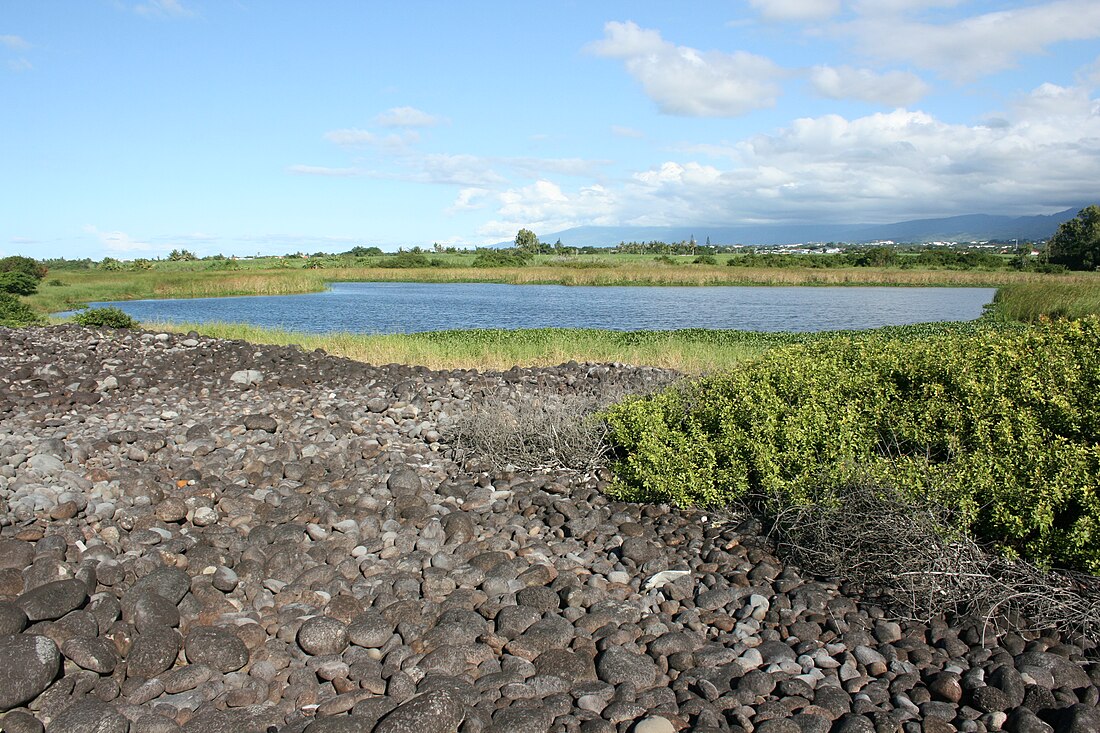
{"points": [[294, 543]]}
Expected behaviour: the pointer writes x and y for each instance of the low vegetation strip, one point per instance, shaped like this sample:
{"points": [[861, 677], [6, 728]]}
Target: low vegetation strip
{"points": [[691, 351], [999, 425]]}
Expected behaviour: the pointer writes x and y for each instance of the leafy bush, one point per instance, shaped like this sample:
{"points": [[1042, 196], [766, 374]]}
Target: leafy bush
{"points": [[15, 313], [705, 260], [403, 260], [56, 283], [1002, 426], [104, 318], [18, 283], [16, 263], [501, 258]]}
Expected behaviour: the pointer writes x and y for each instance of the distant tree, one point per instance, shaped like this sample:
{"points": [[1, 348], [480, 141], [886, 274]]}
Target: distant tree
{"points": [[1076, 244], [875, 257], [360, 251], [526, 241], [17, 263], [110, 263], [181, 255]]}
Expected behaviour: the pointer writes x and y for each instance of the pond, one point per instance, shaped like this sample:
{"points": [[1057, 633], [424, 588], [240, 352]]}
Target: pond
{"points": [[416, 307]]}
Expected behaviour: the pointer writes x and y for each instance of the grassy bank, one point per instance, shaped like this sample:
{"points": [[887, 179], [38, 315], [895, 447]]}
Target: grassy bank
{"points": [[693, 351], [1029, 302], [66, 289]]}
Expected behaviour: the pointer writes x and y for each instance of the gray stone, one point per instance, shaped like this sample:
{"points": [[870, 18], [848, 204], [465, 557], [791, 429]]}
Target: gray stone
{"points": [[89, 716], [266, 423], [91, 652], [12, 618], [617, 665], [653, 724], [321, 635], [404, 481], [439, 711], [369, 630], [246, 377], [28, 663], [53, 600], [153, 652], [216, 647]]}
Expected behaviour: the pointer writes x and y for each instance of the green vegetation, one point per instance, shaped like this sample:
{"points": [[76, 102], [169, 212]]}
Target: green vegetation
{"points": [[104, 318], [15, 313], [1076, 244], [1030, 302], [999, 424]]}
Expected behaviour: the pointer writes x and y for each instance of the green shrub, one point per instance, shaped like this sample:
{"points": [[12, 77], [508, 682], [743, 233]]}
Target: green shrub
{"points": [[15, 313], [1002, 426], [403, 260], [56, 283], [104, 318], [501, 258], [17, 263], [18, 282], [705, 260]]}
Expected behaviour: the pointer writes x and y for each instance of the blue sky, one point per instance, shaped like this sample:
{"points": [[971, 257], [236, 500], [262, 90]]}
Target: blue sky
{"points": [[133, 127]]}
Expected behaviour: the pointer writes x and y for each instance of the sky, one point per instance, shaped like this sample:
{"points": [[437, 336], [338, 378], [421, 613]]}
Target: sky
{"points": [[129, 128]]}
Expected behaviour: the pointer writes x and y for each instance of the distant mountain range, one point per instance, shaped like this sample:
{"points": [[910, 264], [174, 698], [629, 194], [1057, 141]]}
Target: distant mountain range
{"points": [[968, 227]]}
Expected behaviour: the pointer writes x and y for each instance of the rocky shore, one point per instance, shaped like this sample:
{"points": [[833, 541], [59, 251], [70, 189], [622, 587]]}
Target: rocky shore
{"points": [[205, 535]]}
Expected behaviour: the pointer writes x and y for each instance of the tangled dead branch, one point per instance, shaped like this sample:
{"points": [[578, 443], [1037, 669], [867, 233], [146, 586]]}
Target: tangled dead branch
{"points": [[911, 561], [544, 432]]}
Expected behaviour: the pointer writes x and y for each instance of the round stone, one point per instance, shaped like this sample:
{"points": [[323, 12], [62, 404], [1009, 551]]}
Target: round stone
{"points": [[216, 647], [321, 636], [91, 652], [617, 665], [369, 630], [53, 600], [90, 716], [152, 652], [28, 664], [439, 711]]}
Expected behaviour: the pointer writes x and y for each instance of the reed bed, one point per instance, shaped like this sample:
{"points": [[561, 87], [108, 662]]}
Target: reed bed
{"points": [[694, 351], [1033, 301]]}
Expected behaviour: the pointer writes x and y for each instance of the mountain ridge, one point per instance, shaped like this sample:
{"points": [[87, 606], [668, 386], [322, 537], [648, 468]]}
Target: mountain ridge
{"points": [[964, 227]]}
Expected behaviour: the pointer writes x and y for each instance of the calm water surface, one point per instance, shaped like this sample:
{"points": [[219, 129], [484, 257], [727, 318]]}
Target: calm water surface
{"points": [[414, 307]]}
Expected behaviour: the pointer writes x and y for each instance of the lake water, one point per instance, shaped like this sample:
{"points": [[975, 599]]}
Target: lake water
{"points": [[415, 307]]}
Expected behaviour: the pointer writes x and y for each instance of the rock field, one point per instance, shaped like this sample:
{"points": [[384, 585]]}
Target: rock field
{"points": [[205, 535]]}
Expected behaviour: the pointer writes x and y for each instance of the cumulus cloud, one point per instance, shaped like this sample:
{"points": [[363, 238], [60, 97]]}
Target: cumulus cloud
{"points": [[894, 88], [407, 117], [15, 43], [685, 81], [972, 47], [545, 206], [468, 199], [796, 10], [1042, 154]]}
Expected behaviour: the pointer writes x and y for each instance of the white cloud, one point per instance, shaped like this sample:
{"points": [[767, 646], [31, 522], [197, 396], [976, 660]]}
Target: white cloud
{"points": [[796, 10], [320, 170], [685, 81], [544, 206], [1043, 154], [894, 88], [972, 47], [468, 199], [15, 43], [629, 132], [20, 65], [162, 9], [117, 242], [407, 117]]}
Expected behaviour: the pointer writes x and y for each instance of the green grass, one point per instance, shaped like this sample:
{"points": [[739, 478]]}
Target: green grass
{"points": [[1029, 302], [693, 351]]}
